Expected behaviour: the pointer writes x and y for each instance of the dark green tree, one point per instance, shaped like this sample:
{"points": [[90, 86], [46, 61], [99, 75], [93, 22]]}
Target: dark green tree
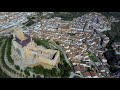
{"points": [[26, 72], [17, 67]]}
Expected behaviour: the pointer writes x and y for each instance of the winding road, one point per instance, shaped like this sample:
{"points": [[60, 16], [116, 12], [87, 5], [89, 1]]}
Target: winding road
{"points": [[9, 73], [60, 48]]}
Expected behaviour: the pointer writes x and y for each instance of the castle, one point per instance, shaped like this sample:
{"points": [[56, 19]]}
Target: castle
{"points": [[30, 54]]}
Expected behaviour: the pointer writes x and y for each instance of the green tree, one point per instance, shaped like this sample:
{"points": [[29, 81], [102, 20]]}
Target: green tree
{"points": [[53, 72], [26, 72], [45, 73], [17, 67], [38, 69], [9, 50], [33, 75]]}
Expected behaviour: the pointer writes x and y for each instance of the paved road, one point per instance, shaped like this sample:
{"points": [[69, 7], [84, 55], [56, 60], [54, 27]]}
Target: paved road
{"points": [[63, 54], [10, 65], [72, 74]]}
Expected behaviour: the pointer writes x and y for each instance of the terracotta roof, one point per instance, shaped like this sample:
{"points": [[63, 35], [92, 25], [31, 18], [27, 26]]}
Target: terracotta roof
{"points": [[96, 40], [92, 73], [76, 68], [82, 69], [85, 74]]}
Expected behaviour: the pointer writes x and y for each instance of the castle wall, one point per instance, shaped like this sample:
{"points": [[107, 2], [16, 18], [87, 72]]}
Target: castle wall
{"points": [[39, 59]]}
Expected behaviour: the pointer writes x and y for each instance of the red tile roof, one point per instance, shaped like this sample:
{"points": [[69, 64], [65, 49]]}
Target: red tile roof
{"points": [[92, 73], [82, 69], [76, 68], [86, 74]]}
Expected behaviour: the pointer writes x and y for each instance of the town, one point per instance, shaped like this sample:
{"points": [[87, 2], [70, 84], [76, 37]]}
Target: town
{"points": [[81, 42]]}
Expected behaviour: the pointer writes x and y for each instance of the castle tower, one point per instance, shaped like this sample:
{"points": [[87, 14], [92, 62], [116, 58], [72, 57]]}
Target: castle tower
{"points": [[19, 33]]}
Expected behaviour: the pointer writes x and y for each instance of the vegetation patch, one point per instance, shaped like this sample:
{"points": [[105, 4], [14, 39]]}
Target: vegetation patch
{"points": [[92, 57], [71, 34], [68, 16], [26, 72], [17, 67], [2, 58], [9, 44], [29, 22], [42, 42]]}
